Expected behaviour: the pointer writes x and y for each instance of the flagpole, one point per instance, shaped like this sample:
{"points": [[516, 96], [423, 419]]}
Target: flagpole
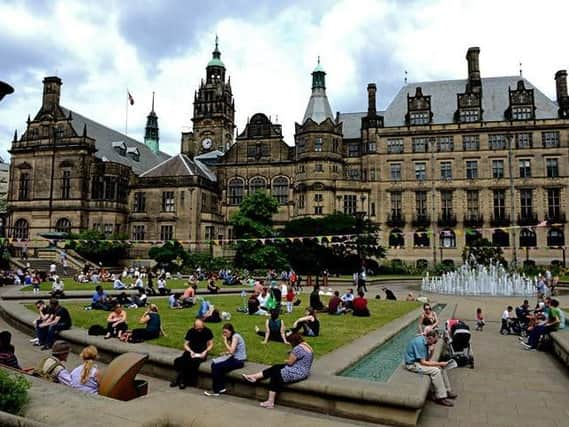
{"points": [[126, 114]]}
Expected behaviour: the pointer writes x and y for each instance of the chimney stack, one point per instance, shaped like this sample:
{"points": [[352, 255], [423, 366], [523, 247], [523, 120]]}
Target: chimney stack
{"points": [[51, 92], [561, 84], [371, 90]]}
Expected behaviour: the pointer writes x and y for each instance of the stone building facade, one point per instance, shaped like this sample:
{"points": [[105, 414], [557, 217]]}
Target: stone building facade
{"points": [[445, 162]]}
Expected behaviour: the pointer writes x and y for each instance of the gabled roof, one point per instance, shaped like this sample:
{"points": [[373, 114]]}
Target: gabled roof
{"points": [[107, 139], [179, 165]]}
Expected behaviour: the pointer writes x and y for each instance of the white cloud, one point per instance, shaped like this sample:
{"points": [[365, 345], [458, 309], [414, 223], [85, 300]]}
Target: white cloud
{"points": [[270, 60]]}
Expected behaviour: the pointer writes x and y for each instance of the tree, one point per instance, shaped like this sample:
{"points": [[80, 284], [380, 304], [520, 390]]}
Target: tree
{"points": [[94, 246], [483, 252], [171, 255], [254, 220]]}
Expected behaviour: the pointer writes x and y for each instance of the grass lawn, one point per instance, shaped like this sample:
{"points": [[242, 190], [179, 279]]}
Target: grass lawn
{"points": [[72, 285], [335, 331]]}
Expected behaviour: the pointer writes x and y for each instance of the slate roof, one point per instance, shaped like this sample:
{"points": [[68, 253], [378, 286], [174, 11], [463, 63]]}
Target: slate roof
{"points": [[179, 165], [106, 139], [495, 101], [318, 108]]}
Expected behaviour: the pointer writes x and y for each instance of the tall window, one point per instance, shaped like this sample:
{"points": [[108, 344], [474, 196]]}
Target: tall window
{"points": [[63, 225], [471, 169], [66, 184], [318, 144], [394, 145], [472, 204], [498, 169], [353, 150], [108, 230], [395, 171], [349, 204], [420, 171], [499, 203], [525, 168], [550, 139], [21, 229], [527, 238], [447, 239], [318, 210], [497, 141], [445, 143], [257, 184], [138, 232], [371, 147], [446, 203], [396, 199], [421, 203], [523, 140], [168, 202], [24, 188], [420, 145], [471, 142], [301, 201], [446, 170], [552, 168], [280, 190], [110, 186], [166, 232], [526, 203], [553, 203], [235, 189], [139, 201]]}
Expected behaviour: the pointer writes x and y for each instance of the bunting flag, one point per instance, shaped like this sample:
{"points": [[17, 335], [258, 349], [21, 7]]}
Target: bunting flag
{"points": [[130, 98]]}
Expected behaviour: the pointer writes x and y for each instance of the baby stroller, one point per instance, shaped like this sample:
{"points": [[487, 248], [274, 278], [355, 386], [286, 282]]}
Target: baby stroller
{"points": [[457, 337]]}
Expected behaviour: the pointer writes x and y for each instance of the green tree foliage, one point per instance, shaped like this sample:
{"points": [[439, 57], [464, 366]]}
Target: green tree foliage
{"points": [[205, 261], [338, 256], [171, 255], [94, 246], [483, 252], [13, 392], [255, 220]]}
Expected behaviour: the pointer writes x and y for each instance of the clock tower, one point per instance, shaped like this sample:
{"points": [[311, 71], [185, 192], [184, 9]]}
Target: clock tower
{"points": [[214, 111]]}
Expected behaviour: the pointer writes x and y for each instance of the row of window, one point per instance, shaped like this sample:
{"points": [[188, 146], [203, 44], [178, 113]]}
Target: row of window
{"points": [[21, 228], [139, 232], [471, 169], [423, 144], [24, 188], [447, 238], [473, 204], [236, 189]]}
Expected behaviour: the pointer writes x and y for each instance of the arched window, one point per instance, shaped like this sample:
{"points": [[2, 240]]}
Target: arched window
{"points": [[421, 238], [257, 183], [555, 237], [21, 229], [527, 238], [500, 238], [63, 225], [396, 238], [235, 189], [447, 239], [280, 189], [472, 236]]}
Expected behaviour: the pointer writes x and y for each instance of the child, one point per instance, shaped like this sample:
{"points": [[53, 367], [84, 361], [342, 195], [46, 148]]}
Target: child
{"points": [[36, 284], [289, 299], [479, 320], [506, 321]]}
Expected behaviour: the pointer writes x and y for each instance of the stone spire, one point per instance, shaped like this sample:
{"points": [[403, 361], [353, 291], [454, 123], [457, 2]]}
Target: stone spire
{"points": [[318, 108], [151, 132]]}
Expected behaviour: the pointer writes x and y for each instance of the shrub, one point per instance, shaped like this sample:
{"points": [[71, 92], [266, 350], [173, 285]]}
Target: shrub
{"points": [[13, 392]]}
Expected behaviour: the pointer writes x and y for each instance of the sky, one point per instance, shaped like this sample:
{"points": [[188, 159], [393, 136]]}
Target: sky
{"points": [[101, 48]]}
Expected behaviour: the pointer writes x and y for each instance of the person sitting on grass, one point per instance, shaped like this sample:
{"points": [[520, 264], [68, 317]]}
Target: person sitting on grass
{"points": [[389, 295], [274, 329], [296, 368], [162, 289], [87, 377], [57, 288], [189, 296], [309, 324], [348, 298], [140, 299], [152, 329], [335, 305], [100, 300], [117, 284], [359, 305], [315, 301], [254, 306], [233, 358], [116, 322], [59, 320], [198, 343], [173, 301], [212, 287], [52, 368], [210, 314], [417, 359], [7, 351]]}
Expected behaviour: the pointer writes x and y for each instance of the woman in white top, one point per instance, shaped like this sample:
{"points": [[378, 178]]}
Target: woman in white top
{"points": [[86, 377]]}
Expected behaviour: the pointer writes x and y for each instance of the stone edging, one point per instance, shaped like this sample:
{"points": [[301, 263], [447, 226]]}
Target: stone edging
{"points": [[322, 392], [9, 420], [561, 346]]}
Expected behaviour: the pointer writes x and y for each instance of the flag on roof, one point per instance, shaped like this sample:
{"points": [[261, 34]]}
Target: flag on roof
{"points": [[130, 98]]}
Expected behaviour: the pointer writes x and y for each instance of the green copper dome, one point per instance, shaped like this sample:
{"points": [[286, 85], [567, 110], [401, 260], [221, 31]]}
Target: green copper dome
{"points": [[216, 61], [319, 68]]}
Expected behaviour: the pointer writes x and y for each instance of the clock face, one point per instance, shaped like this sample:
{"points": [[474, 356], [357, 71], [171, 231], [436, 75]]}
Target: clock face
{"points": [[207, 143]]}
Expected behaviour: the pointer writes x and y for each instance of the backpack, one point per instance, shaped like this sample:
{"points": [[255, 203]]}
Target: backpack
{"points": [[48, 369], [97, 330]]}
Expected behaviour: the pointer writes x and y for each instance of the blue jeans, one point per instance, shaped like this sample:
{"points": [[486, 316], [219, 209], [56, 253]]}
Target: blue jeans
{"points": [[218, 371], [47, 334], [536, 334]]}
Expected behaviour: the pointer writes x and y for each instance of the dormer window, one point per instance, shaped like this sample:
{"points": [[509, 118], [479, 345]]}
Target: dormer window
{"points": [[469, 106], [522, 104], [119, 147], [419, 118], [418, 109], [133, 153]]}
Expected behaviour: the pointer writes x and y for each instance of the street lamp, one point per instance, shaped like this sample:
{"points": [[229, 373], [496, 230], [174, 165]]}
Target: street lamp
{"points": [[5, 89]]}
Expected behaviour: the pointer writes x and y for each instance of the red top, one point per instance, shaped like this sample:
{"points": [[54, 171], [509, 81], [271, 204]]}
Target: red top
{"points": [[359, 303]]}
